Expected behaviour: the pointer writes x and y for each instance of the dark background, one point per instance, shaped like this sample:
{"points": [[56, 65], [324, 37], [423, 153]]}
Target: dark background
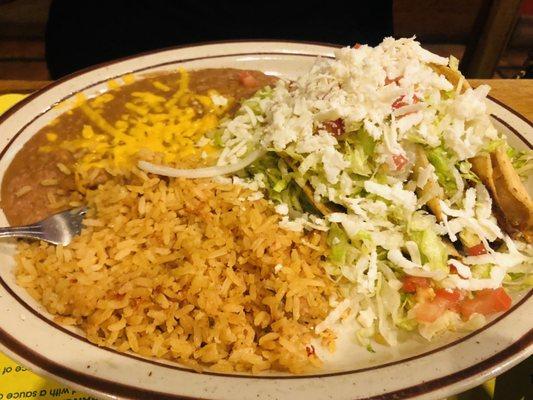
{"points": [[443, 26]]}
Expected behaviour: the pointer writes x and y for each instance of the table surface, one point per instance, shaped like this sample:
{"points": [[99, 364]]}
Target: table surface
{"points": [[516, 93]]}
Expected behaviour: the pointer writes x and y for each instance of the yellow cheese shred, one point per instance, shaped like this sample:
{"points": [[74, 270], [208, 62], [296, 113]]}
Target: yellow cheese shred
{"points": [[169, 127]]}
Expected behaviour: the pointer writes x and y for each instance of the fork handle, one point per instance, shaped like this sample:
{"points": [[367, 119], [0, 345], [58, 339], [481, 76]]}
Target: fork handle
{"points": [[28, 231]]}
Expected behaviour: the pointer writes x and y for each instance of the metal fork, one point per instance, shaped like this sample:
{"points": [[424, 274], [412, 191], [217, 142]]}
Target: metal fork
{"points": [[57, 229]]}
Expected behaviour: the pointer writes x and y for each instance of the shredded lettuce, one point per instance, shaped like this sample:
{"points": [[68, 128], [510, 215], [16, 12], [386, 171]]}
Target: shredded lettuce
{"points": [[359, 148], [420, 221], [358, 161], [448, 94], [493, 145], [363, 238], [443, 164], [522, 161], [481, 271], [388, 302], [518, 281], [280, 183], [407, 303], [275, 170], [432, 249], [392, 301], [338, 244], [469, 238], [364, 335], [464, 168], [353, 126], [253, 102]]}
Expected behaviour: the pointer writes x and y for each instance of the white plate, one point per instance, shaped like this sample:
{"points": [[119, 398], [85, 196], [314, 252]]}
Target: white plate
{"points": [[416, 369]]}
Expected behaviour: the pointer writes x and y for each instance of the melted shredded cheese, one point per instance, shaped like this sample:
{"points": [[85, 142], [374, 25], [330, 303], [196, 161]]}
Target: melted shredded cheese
{"points": [[154, 127]]}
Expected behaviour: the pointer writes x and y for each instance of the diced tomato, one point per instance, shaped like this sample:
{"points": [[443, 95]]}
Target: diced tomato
{"points": [[444, 300], [411, 283], [399, 103], [247, 79], [431, 310], [399, 161], [357, 45], [336, 127], [388, 81], [452, 296], [486, 302], [476, 250], [424, 294]]}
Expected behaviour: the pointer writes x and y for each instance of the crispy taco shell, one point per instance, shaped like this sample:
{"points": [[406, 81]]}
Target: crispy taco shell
{"points": [[454, 77], [512, 204]]}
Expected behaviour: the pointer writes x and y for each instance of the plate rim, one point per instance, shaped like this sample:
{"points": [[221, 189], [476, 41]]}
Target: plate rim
{"points": [[515, 355]]}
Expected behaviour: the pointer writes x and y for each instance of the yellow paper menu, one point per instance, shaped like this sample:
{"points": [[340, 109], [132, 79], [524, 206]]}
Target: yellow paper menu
{"points": [[17, 382]]}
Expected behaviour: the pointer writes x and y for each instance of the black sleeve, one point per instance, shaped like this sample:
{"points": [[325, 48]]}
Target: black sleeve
{"points": [[80, 34]]}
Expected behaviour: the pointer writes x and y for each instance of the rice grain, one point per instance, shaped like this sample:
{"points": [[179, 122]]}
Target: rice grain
{"points": [[185, 270]]}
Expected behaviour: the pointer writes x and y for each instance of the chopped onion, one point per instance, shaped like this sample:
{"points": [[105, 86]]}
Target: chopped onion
{"points": [[207, 172]]}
